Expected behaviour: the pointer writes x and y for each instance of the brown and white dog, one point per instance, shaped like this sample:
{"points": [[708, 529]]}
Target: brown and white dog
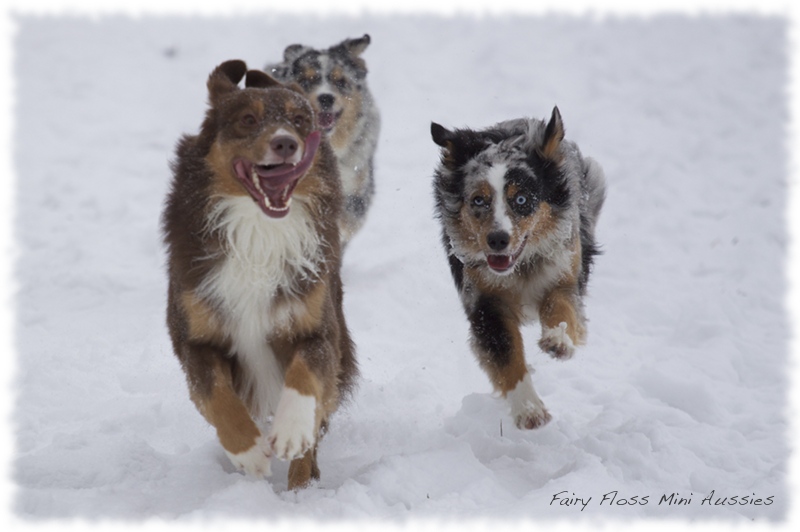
{"points": [[518, 206], [335, 82], [255, 297]]}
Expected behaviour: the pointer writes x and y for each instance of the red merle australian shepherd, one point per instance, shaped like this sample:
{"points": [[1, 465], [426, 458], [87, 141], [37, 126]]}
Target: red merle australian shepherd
{"points": [[518, 206], [255, 298]]}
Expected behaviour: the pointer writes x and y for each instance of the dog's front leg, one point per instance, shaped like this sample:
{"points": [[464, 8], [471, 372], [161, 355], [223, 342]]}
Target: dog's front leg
{"points": [[297, 419], [213, 394], [497, 343], [563, 325]]}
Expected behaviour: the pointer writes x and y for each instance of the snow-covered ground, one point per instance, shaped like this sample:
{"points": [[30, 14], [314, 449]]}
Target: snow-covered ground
{"points": [[681, 389]]}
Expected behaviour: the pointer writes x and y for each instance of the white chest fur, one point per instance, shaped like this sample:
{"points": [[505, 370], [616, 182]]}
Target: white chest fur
{"points": [[261, 255]]}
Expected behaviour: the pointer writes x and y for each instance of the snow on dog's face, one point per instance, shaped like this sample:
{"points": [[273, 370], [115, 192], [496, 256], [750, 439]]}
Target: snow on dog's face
{"points": [[500, 191], [265, 138], [333, 80]]}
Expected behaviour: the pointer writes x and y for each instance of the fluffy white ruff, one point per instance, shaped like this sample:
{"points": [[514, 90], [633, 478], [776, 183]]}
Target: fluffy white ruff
{"points": [[261, 255], [527, 408], [292, 432], [556, 341], [255, 461]]}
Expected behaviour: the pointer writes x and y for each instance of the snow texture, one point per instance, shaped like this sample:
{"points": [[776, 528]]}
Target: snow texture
{"points": [[680, 389]]}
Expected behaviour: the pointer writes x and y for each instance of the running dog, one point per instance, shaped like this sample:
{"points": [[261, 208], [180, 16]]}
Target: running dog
{"points": [[255, 298], [518, 206], [335, 82]]}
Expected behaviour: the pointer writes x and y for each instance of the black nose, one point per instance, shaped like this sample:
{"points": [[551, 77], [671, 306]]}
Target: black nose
{"points": [[325, 101], [498, 240], [283, 146]]}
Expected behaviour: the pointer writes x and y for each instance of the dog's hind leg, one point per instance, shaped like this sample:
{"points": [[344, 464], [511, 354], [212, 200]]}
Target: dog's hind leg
{"points": [[303, 470], [497, 343]]}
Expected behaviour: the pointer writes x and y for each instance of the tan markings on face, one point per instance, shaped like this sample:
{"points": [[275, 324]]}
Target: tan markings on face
{"points": [[220, 160], [291, 109], [225, 411], [204, 325], [337, 74], [308, 73], [346, 125], [476, 222], [540, 224]]}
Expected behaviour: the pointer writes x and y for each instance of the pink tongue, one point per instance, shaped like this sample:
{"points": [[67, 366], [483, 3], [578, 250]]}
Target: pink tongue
{"points": [[499, 262]]}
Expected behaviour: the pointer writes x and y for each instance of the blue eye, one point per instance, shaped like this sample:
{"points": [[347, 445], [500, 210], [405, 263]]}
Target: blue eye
{"points": [[521, 200], [479, 201]]}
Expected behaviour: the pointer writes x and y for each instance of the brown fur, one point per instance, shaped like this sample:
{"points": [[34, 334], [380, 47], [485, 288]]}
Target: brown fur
{"points": [[309, 336]]}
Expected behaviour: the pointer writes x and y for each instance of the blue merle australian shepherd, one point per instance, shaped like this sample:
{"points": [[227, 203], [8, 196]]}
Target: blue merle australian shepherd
{"points": [[518, 206], [335, 82]]}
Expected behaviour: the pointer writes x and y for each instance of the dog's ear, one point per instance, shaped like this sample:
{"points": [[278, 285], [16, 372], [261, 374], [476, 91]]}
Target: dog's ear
{"points": [[441, 135], [260, 80], [296, 88], [553, 135], [225, 79], [292, 52], [355, 46]]}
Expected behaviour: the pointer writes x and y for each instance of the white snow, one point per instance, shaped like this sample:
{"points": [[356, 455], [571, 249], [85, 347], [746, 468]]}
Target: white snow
{"points": [[681, 387]]}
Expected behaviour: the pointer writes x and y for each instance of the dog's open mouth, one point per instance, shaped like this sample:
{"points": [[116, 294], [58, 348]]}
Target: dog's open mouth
{"points": [[505, 263], [271, 186], [327, 120]]}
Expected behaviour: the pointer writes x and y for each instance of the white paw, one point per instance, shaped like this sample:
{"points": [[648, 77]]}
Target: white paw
{"points": [[527, 408], [292, 432], [255, 461], [557, 342]]}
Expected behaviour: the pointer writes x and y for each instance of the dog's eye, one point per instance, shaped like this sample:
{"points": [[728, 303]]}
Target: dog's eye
{"points": [[479, 201], [249, 120], [520, 200], [299, 121], [340, 83]]}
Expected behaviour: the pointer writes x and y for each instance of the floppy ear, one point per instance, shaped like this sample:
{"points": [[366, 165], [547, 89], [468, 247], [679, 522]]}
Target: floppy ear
{"points": [[260, 80], [292, 52], [225, 79], [296, 88], [356, 46], [441, 135], [553, 135]]}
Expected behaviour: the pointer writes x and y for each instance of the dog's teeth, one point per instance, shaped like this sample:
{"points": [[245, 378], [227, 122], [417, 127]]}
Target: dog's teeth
{"points": [[257, 182]]}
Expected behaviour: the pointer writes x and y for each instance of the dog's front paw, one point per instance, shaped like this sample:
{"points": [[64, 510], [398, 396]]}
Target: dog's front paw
{"points": [[527, 408], [255, 461], [293, 428], [557, 342], [534, 418]]}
